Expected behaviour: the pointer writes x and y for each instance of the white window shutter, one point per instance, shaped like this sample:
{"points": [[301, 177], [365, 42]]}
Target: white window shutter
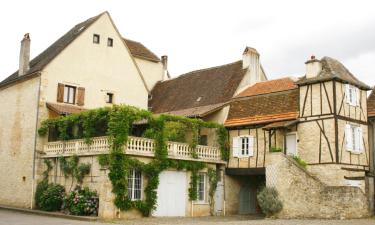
{"points": [[236, 146], [348, 137], [357, 96], [347, 93], [251, 145], [360, 137]]}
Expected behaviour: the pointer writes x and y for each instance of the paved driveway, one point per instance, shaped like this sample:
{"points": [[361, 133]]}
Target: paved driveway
{"points": [[16, 218]]}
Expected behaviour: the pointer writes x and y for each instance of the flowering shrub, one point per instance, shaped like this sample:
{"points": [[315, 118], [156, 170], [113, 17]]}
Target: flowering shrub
{"points": [[82, 202], [50, 196]]}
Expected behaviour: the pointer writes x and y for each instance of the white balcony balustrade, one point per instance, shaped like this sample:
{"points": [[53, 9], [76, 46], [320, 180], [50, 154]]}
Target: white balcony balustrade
{"points": [[136, 146]]}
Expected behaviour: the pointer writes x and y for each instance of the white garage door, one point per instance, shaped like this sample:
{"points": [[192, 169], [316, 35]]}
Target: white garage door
{"points": [[171, 194]]}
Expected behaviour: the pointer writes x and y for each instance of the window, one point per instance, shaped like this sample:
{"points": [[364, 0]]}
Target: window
{"points": [[243, 146], [354, 138], [109, 98], [69, 94], [201, 187], [96, 39], [203, 140], [110, 42], [352, 94], [135, 184]]}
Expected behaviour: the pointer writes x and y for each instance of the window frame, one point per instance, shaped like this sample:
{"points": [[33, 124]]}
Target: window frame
{"points": [[109, 97], [96, 36], [352, 93], [67, 92], [109, 42], [356, 145], [204, 188], [132, 191]]}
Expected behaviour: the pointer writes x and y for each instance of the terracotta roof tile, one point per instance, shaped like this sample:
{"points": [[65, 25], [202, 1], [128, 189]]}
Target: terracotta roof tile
{"points": [[261, 119], [333, 69], [64, 108], [137, 49], [263, 108], [197, 111], [198, 88], [270, 86]]}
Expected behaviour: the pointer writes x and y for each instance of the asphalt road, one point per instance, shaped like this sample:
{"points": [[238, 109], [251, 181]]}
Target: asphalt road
{"points": [[16, 218]]}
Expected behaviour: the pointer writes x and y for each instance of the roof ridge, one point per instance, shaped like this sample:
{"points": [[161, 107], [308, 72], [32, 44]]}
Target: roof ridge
{"points": [[201, 70]]}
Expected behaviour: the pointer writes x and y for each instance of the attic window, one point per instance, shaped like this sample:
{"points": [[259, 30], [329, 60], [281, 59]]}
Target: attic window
{"points": [[109, 98], [199, 99], [96, 39], [110, 42]]}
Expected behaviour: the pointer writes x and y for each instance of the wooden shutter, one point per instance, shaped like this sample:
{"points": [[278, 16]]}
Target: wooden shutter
{"points": [[60, 92], [236, 146], [348, 137], [251, 145], [81, 96]]}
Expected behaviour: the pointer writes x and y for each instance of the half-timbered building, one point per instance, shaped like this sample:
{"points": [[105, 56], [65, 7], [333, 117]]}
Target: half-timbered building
{"points": [[319, 119]]}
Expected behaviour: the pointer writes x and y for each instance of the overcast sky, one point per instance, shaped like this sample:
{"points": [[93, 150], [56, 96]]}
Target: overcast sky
{"points": [[199, 34]]}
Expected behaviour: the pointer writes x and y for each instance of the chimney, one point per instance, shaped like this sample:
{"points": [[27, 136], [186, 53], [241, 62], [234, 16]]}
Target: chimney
{"points": [[164, 61], [313, 67], [24, 65], [250, 61]]}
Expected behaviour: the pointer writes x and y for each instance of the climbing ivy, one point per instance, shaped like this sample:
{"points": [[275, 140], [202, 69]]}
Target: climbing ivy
{"points": [[117, 122], [71, 167]]}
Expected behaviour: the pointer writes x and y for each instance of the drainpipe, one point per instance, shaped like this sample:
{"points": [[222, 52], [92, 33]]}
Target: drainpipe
{"points": [[35, 143]]}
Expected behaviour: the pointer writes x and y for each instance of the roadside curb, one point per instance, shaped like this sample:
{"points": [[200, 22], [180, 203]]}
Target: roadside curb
{"points": [[50, 214]]}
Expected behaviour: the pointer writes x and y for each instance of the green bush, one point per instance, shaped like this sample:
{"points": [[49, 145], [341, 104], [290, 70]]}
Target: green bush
{"points": [[49, 197], [269, 202], [300, 161], [40, 189], [276, 149], [82, 202]]}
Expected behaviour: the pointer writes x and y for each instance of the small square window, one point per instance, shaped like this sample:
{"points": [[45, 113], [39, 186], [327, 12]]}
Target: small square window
{"points": [[110, 42], [109, 98], [96, 38], [69, 94]]}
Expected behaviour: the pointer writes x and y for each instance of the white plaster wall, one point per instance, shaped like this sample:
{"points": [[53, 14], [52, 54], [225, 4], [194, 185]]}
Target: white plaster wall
{"points": [[97, 68], [152, 71]]}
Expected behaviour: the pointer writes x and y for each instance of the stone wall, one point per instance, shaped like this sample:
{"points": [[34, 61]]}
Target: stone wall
{"points": [[98, 180], [305, 196], [17, 134]]}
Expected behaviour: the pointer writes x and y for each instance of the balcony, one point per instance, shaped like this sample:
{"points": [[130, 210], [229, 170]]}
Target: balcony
{"points": [[136, 146]]}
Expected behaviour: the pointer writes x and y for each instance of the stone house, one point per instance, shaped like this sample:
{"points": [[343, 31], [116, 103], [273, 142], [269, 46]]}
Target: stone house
{"points": [[320, 118], [90, 66]]}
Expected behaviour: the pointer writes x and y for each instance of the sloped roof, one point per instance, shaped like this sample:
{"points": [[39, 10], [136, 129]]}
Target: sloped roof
{"points": [[64, 108], [265, 108], [270, 86], [333, 69], [197, 111], [198, 88], [371, 104], [39, 62], [137, 49]]}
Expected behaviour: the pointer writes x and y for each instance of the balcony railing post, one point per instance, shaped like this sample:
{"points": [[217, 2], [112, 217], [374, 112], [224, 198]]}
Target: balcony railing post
{"points": [[76, 147], [174, 149]]}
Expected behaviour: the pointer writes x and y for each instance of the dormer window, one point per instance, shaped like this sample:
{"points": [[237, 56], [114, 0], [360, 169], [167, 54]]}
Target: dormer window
{"points": [[109, 98], [110, 42], [352, 95], [96, 39]]}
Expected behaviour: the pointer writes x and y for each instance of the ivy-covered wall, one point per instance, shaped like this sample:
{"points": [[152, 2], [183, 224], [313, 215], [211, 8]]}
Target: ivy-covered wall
{"points": [[117, 122]]}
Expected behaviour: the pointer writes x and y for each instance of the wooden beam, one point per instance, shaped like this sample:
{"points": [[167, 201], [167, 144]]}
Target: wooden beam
{"points": [[256, 161], [304, 101], [329, 102], [336, 122], [245, 171], [325, 137]]}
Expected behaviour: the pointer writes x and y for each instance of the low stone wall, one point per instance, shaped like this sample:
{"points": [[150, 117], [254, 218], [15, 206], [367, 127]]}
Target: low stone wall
{"points": [[305, 196]]}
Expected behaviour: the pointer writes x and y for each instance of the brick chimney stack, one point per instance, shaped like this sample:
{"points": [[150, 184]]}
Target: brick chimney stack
{"points": [[164, 61], [24, 63]]}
